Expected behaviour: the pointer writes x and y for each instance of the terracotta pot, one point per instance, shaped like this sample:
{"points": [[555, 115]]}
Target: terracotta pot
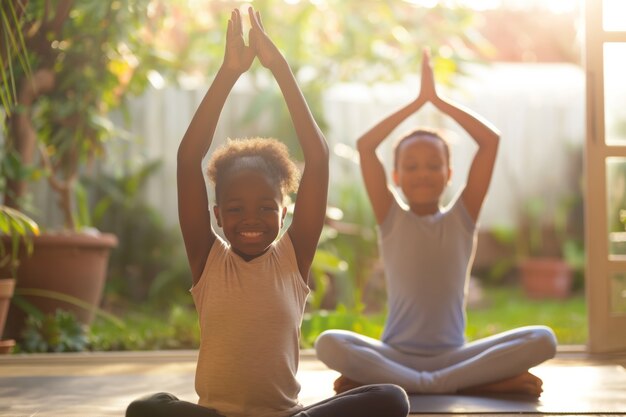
{"points": [[71, 264], [6, 346], [7, 285], [546, 278]]}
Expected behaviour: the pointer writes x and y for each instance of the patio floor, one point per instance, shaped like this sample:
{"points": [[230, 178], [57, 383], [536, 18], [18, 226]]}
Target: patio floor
{"points": [[102, 384]]}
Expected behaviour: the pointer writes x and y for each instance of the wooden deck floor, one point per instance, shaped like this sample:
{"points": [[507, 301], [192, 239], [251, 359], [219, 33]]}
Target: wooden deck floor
{"points": [[102, 384]]}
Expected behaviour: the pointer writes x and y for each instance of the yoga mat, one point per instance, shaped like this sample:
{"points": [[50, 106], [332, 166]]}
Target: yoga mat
{"points": [[567, 389]]}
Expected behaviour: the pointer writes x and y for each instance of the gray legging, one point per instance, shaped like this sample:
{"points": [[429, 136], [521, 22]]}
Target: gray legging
{"points": [[501, 356], [381, 400]]}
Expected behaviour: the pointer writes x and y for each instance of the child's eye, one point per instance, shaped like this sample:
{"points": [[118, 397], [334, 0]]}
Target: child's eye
{"points": [[268, 208], [233, 209]]}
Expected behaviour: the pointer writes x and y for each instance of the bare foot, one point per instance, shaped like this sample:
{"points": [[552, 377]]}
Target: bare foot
{"points": [[526, 384], [343, 384]]}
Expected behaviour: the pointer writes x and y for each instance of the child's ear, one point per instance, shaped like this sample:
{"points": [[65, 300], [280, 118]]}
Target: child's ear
{"points": [[395, 177], [216, 213]]}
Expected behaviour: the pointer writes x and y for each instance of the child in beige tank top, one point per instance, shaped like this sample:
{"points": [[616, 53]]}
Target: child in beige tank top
{"points": [[250, 288]]}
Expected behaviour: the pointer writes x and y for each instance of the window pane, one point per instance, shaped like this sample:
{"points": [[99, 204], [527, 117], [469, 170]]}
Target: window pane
{"points": [[615, 92], [618, 293], [616, 205], [614, 15]]}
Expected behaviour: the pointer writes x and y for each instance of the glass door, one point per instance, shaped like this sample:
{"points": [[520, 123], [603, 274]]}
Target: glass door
{"points": [[605, 174]]}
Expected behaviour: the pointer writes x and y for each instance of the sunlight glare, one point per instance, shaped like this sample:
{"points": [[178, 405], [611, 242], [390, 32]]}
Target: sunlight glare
{"points": [[555, 6], [614, 14], [424, 3]]}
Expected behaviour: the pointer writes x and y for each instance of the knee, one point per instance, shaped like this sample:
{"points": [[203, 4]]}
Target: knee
{"points": [[139, 408], [395, 399], [545, 342], [328, 347], [148, 406]]}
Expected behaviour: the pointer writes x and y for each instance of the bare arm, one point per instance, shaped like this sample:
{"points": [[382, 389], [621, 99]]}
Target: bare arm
{"points": [[484, 134], [310, 206], [193, 211], [372, 168]]}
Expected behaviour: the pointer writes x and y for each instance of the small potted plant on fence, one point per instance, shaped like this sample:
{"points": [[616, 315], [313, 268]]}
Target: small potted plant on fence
{"points": [[66, 65]]}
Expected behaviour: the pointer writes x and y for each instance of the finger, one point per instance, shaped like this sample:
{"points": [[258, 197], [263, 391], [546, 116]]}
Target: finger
{"points": [[229, 30], [253, 19], [258, 16], [237, 22], [251, 39]]}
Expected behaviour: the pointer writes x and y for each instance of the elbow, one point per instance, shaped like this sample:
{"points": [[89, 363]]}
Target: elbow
{"points": [[325, 148], [365, 149], [493, 141], [361, 146], [324, 153], [496, 140]]}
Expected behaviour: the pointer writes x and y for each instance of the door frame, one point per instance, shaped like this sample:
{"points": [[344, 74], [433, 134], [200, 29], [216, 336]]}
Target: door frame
{"points": [[607, 331]]}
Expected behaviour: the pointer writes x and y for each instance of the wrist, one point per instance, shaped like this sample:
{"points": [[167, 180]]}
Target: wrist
{"points": [[280, 67], [227, 73]]}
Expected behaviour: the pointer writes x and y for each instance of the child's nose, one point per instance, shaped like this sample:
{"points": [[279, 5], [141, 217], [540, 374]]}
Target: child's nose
{"points": [[251, 216]]}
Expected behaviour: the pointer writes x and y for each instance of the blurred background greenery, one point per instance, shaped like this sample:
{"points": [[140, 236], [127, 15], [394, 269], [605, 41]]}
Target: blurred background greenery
{"points": [[181, 42]]}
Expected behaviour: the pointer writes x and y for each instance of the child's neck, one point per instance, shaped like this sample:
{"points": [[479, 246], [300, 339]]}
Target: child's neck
{"points": [[424, 209]]}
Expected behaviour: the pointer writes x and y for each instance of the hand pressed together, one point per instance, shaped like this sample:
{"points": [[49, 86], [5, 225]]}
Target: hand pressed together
{"points": [[428, 91], [265, 50], [238, 56]]}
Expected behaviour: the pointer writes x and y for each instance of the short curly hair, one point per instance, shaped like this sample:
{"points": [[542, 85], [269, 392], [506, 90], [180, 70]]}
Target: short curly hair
{"points": [[267, 155]]}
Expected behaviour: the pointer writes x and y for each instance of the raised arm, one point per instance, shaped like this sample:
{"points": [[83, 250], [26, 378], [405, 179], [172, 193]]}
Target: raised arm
{"points": [[484, 134], [372, 168], [193, 204], [310, 207]]}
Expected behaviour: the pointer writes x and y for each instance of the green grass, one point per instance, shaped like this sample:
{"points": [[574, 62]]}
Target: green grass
{"points": [[502, 309], [508, 308]]}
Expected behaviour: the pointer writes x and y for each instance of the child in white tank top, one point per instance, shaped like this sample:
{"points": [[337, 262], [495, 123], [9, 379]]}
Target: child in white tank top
{"points": [[427, 253], [250, 289]]}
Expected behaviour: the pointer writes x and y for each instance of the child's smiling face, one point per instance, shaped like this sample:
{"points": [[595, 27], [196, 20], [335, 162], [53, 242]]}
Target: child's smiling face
{"points": [[250, 212], [422, 171]]}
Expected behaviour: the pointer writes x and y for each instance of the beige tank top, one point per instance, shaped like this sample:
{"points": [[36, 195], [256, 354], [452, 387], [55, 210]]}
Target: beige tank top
{"points": [[250, 315]]}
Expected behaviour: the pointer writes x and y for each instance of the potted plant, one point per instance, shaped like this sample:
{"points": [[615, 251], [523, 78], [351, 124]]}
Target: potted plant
{"points": [[17, 227], [545, 254], [67, 64], [548, 254]]}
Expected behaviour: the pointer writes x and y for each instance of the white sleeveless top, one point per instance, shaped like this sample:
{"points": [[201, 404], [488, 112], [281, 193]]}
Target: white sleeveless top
{"points": [[427, 262], [250, 315]]}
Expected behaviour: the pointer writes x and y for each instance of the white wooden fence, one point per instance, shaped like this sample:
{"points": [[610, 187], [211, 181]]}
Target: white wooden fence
{"points": [[538, 108]]}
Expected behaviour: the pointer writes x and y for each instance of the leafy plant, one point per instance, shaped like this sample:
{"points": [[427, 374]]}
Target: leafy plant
{"points": [[77, 61], [18, 227], [149, 263], [147, 329], [59, 332], [12, 51]]}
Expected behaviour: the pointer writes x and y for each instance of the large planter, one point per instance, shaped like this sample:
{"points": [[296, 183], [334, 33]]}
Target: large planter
{"points": [[7, 285], [545, 278], [72, 264]]}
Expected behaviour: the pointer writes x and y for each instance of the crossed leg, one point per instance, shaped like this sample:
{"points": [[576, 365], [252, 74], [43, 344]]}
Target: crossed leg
{"points": [[496, 364]]}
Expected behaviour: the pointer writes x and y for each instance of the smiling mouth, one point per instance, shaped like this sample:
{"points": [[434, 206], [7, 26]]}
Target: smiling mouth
{"points": [[251, 234]]}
